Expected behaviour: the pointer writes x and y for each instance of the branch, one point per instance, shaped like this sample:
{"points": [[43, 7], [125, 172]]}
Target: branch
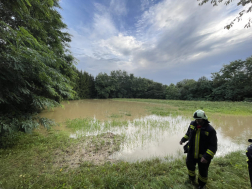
{"points": [[239, 17]]}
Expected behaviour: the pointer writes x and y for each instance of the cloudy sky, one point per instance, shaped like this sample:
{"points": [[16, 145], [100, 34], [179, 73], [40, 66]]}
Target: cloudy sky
{"points": [[162, 40]]}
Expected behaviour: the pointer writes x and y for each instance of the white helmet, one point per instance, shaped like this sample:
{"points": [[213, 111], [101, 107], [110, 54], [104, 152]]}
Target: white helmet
{"points": [[199, 114]]}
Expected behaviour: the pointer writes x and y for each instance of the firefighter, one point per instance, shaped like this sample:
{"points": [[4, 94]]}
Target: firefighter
{"points": [[249, 155], [200, 148]]}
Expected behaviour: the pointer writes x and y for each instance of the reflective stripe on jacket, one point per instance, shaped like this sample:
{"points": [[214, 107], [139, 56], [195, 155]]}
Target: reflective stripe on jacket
{"points": [[202, 142]]}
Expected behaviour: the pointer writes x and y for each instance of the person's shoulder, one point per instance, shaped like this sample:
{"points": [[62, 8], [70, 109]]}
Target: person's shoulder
{"points": [[210, 128], [193, 123]]}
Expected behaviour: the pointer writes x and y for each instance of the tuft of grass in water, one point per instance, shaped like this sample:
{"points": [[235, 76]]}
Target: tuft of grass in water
{"points": [[115, 116], [163, 111], [220, 107]]}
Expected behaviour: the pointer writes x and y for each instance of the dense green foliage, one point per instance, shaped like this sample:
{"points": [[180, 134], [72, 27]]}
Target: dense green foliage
{"points": [[35, 70], [119, 84], [85, 85], [231, 83]]}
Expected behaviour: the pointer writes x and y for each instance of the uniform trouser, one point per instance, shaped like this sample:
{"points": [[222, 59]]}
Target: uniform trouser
{"points": [[203, 169], [250, 171]]}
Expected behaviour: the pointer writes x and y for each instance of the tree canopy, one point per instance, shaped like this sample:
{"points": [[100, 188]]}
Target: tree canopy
{"points": [[119, 84], [35, 69], [231, 83]]}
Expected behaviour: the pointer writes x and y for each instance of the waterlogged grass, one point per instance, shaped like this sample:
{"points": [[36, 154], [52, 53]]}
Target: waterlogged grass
{"points": [[89, 125], [140, 132], [27, 162], [175, 106], [120, 115]]}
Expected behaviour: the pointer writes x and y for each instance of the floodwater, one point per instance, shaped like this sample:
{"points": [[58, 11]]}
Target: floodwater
{"points": [[146, 135], [99, 109]]}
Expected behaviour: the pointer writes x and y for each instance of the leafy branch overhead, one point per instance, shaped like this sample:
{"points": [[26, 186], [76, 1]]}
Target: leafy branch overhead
{"points": [[245, 3]]}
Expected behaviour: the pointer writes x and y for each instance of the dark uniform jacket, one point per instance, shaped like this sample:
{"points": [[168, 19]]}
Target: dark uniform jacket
{"points": [[249, 160], [249, 153], [202, 142]]}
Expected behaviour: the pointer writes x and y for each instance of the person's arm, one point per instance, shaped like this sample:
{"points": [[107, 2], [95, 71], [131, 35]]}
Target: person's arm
{"points": [[186, 137], [212, 148]]}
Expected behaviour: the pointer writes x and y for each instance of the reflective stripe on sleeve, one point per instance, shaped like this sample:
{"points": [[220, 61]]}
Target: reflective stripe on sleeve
{"points": [[186, 137], [210, 153]]}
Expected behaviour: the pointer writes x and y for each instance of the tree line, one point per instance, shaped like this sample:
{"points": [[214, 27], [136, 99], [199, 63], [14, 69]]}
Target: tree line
{"points": [[119, 84], [231, 83]]}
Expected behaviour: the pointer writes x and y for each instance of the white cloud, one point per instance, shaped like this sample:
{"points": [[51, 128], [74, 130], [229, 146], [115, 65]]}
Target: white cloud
{"points": [[144, 4], [168, 34], [118, 7], [103, 26], [182, 32], [121, 45]]}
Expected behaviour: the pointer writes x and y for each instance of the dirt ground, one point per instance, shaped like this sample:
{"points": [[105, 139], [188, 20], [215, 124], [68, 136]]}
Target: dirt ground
{"points": [[95, 149]]}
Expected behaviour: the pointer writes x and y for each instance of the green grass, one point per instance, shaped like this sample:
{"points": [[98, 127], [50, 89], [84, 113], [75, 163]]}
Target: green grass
{"points": [[91, 125], [28, 163], [30, 160], [175, 106]]}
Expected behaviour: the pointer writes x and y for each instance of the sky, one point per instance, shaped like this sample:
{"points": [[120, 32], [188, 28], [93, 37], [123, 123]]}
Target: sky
{"points": [[162, 40]]}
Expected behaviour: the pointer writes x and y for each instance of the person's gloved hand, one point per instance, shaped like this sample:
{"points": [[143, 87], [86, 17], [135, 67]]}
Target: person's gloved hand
{"points": [[203, 160]]}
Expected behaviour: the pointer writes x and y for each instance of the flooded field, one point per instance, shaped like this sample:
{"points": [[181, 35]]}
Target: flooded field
{"points": [[145, 135]]}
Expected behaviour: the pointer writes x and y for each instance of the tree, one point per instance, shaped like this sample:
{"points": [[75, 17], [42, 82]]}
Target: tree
{"points": [[239, 17], [103, 85], [172, 92], [233, 81], [36, 71], [203, 89], [186, 89]]}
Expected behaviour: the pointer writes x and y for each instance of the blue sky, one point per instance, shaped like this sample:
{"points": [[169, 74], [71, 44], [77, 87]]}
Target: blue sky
{"points": [[162, 40]]}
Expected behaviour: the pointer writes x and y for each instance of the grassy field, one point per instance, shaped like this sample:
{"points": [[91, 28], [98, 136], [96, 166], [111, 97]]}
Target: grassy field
{"points": [[53, 160], [183, 106]]}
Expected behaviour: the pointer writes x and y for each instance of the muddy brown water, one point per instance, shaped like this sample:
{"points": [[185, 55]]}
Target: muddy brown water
{"points": [[99, 109], [147, 135]]}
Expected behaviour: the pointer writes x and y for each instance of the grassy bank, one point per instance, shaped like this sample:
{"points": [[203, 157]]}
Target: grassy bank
{"points": [[30, 161], [187, 107]]}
